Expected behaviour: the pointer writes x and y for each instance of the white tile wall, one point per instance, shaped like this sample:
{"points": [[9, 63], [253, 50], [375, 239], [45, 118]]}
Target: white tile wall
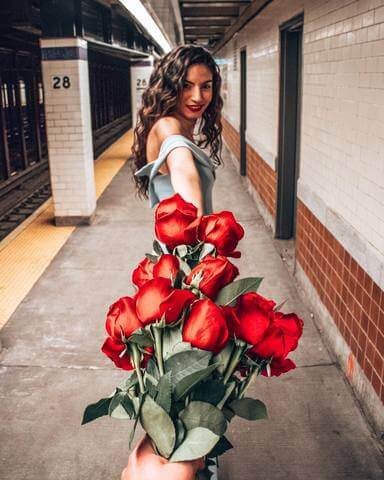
{"points": [[69, 132], [342, 126]]}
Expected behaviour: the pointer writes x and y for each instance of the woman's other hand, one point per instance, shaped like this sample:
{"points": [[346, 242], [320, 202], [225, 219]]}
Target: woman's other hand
{"points": [[144, 464]]}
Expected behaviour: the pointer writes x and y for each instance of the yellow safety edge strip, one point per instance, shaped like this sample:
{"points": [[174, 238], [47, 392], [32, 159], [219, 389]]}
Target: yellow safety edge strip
{"points": [[28, 251]]}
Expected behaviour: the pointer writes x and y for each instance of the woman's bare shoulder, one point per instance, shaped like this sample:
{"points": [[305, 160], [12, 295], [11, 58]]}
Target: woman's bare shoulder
{"points": [[166, 126], [162, 129]]}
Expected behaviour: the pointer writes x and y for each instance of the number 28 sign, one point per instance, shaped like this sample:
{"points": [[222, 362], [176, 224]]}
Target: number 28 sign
{"points": [[61, 82]]}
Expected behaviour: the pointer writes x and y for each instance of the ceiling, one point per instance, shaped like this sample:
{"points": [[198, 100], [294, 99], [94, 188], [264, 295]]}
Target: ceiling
{"points": [[206, 21]]}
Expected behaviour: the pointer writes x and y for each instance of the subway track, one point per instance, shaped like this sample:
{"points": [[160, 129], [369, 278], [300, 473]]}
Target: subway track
{"points": [[20, 212]]}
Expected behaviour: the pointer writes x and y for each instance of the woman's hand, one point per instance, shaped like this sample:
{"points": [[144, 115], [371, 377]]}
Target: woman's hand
{"points": [[144, 464]]}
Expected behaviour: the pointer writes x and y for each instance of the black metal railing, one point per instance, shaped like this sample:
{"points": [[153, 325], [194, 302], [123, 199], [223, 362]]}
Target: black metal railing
{"points": [[23, 142], [109, 80]]}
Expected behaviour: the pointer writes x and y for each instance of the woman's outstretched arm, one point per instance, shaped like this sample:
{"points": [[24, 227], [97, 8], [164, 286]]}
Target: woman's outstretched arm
{"points": [[180, 164], [185, 178]]}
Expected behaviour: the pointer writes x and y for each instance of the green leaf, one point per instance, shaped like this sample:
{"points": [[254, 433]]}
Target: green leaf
{"points": [[158, 248], [184, 267], [171, 337], [178, 280], [128, 382], [185, 385], [228, 413], [185, 363], [202, 414], [211, 391], [180, 347], [151, 258], [280, 305], [121, 406], [229, 293], [207, 249], [197, 443], [181, 251], [96, 410], [152, 369], [150, 385], [180, 432], [222, 446], [141, 337], [164, 397], [138, 403], [159, 426], [249, 408]]}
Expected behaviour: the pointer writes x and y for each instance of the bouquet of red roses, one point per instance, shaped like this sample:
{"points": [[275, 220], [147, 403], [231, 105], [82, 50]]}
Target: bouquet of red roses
{"points": [[193, 337]]}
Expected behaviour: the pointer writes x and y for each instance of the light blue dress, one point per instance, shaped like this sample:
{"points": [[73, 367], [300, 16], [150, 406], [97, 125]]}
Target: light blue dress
{"points": [[160, 185]]}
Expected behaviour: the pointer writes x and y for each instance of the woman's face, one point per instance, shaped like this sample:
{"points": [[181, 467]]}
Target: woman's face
{"points": [[197, 92]]}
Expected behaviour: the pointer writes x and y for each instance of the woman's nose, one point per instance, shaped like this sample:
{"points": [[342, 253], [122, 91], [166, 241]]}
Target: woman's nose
{"points": [[196, 95]]}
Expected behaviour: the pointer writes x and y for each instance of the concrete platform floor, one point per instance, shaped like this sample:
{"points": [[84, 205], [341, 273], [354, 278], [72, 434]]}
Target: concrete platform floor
{"points": [[51, 366]]}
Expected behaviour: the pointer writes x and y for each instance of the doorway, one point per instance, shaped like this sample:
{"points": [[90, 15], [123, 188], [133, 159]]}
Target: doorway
{"points": [[243, 111], [291, 34]]}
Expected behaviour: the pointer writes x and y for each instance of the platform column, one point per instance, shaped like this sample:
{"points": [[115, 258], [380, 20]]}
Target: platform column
{"points": [[69, 129]]}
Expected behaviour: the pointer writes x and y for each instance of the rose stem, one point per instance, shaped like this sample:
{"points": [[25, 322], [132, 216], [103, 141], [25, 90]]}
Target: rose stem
{"points": [[247, 382], [233, 363], [136, 363], [158, 334]]}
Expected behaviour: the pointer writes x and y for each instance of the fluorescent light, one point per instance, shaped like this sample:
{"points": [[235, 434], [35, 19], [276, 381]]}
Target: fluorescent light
{"points": [[145, 19]]}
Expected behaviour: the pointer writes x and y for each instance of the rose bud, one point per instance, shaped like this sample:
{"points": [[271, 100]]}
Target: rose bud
{"points": [[143, 272], [176, 222], [117, 351], [167, 266], [222, 231], [250, 318], [114, 349], [216, 273], [279, 366], [206, 327], [157, 298], [281, 337], [122, 319]]}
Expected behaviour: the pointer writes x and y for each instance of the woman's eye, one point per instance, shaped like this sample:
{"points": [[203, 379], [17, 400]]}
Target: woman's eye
{"points": [[207, 87], [186, 86]]}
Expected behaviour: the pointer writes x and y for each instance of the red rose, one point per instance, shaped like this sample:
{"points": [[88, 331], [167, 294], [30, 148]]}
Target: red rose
{"points": [[176, 222], [250, 318], [222, 230], [216, 273], [281, 338], [122, 319], [167, 266], [206, 327], [143, 272], [279, 366], [113, 349], [157, 298]]}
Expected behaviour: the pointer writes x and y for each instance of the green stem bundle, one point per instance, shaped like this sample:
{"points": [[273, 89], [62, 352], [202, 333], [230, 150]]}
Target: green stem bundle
{"points": [[234, 361], [136, 356], [158, 336]]}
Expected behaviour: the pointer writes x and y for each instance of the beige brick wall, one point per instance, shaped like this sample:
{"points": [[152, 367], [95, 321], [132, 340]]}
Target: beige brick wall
{"points": [[342, 125]]}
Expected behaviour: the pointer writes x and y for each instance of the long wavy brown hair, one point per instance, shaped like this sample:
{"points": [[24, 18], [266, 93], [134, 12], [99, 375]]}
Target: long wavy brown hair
{"points": [[161, 97]]}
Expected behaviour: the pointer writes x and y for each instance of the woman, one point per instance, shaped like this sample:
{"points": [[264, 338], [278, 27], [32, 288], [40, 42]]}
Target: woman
{"points": [[180, 115], [183, 93]]}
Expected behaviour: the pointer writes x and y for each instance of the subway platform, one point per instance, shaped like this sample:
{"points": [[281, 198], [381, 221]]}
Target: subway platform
{"points": [[51, 366]]}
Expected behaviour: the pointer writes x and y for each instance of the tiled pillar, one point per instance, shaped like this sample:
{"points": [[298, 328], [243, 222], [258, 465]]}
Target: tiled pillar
{"points": [[69, 129]]}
